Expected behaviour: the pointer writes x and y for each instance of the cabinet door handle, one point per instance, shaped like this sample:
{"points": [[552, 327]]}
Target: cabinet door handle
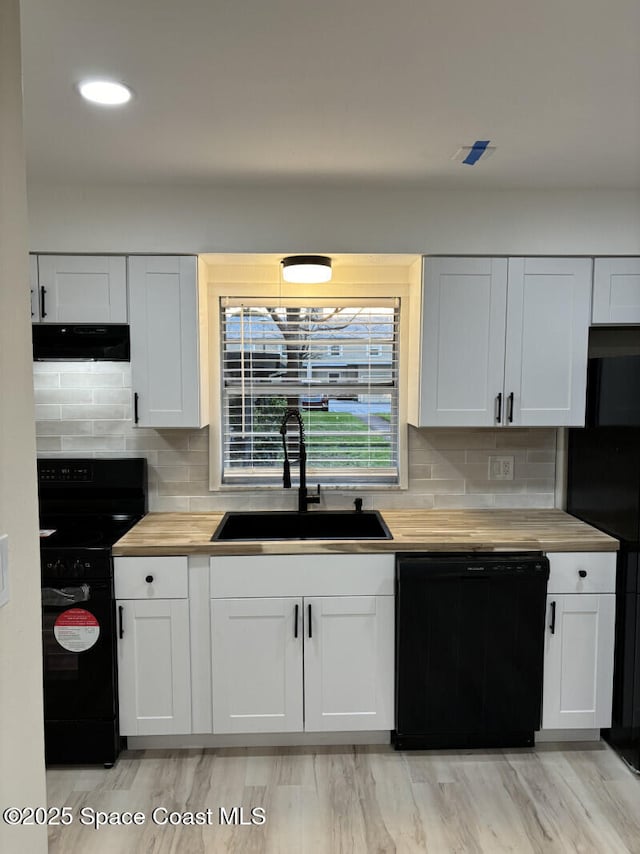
{"points": [[120, 621], [553, 618], [309, 612], [499, 408], [295, 621], [135, 408], [43, 291], [149, 579], [510, 408], [582, 573], [32, 311]]}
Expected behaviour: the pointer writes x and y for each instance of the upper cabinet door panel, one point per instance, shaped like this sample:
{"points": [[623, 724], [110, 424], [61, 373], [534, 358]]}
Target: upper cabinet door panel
{"points": [[163, 310], [616, 290], [82, 289], [548, 310], [463, 330]]}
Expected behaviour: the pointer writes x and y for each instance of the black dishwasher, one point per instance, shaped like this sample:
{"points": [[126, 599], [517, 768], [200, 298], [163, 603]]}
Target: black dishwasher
{"points": [[469, 649]]}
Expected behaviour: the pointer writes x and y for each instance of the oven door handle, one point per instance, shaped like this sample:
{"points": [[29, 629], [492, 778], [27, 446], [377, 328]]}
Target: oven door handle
{"points": [[120, 621]]}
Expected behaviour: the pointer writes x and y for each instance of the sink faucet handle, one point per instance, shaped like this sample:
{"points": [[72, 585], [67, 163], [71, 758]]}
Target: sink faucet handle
{"points": [[358, 505]]}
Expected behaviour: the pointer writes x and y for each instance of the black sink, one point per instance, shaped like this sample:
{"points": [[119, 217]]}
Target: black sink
{"points": [[314, 525]]}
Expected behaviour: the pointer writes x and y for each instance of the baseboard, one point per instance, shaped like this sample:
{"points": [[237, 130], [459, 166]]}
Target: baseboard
{"points": [[271, 739], [545, 735], [314, 739]]}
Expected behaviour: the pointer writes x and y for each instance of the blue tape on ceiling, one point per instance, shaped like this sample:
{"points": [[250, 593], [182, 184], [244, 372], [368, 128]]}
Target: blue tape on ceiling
{"points": [[477, 150]]}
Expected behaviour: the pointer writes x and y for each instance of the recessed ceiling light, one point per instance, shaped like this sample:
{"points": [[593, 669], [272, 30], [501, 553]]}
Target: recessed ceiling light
{"points": [[108, 93]]}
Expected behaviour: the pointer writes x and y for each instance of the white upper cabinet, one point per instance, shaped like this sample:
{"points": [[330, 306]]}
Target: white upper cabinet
{"points": [[548, 310], [80, 289], [616, 290], [165, 311], [503, 342], [463, 327]]}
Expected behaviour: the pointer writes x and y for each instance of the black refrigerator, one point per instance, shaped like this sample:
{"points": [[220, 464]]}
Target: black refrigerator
{"points": [[603, 489]]}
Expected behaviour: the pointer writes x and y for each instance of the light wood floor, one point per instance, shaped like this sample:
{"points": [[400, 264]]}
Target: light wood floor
{"points": [[364, 800]]}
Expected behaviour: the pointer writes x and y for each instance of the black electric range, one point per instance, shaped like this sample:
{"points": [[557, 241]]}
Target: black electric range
{"points": [[85, 506]]}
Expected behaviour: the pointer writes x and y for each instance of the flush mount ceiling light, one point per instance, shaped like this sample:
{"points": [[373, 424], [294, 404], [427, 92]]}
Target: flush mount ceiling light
{"points": [[306, 269], [107, 93]]}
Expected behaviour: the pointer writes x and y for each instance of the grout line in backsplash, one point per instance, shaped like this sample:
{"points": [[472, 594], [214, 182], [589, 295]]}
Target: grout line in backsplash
{"points": [[85, 410]]}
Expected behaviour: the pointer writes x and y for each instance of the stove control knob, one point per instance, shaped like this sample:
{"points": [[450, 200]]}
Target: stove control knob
{"points": [[77, 567]]}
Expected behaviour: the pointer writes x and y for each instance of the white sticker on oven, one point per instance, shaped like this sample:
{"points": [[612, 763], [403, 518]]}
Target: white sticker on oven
{"points": [[76, 630]]}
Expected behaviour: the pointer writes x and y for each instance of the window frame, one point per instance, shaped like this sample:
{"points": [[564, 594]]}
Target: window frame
{"points": [[220, 286]]}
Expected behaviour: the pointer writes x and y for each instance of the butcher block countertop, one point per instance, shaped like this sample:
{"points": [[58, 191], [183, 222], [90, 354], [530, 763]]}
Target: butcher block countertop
{"points": [[412, 530]]}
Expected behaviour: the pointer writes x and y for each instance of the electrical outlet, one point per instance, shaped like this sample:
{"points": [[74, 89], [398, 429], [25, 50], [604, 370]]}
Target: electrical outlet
{"points": [[500, 468]]}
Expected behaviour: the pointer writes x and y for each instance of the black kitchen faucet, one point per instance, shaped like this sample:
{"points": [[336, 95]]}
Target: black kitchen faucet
{"points": [[303, 499]]}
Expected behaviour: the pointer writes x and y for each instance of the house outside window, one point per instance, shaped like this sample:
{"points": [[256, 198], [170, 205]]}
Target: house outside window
{"points": [[280, 356]]}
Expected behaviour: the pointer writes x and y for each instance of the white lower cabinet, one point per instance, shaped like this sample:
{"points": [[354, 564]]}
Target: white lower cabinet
{"points": [[256, 665], [154, 667], [292, 662], [348, 663], [312, 648], [154, 660], [579, 641]]}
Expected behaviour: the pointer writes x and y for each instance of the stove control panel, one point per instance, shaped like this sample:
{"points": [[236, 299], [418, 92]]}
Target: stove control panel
{"points": [[68, 566], [57, 472]]}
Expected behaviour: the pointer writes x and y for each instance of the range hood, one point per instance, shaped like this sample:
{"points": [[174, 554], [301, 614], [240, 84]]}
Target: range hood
{"points": [[108, 342]]}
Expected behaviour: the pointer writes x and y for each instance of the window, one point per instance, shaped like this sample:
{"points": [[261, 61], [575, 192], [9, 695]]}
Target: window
{"points": [[281, 355]]}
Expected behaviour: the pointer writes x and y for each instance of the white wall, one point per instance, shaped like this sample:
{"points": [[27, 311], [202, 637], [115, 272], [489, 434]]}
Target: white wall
{"points": [[22, 780], [332, 219]]}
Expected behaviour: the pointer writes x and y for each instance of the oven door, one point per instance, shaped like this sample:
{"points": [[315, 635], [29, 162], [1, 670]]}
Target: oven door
{"points": [[78, 641]]}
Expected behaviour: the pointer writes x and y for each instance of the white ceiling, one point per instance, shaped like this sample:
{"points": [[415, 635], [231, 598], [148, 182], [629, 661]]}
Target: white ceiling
{"points": [[336, 90]]}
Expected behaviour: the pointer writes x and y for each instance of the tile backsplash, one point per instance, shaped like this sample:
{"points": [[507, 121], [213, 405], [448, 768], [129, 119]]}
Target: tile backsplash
{"points": [[84, 409]]}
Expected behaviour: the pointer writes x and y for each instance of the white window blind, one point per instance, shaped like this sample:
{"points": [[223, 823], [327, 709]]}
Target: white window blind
{"points": [[336, 361]]}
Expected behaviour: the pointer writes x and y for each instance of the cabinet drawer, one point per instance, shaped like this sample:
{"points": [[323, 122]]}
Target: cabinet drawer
{"points": [[302, 575], [151, 577], [565, 569]]}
